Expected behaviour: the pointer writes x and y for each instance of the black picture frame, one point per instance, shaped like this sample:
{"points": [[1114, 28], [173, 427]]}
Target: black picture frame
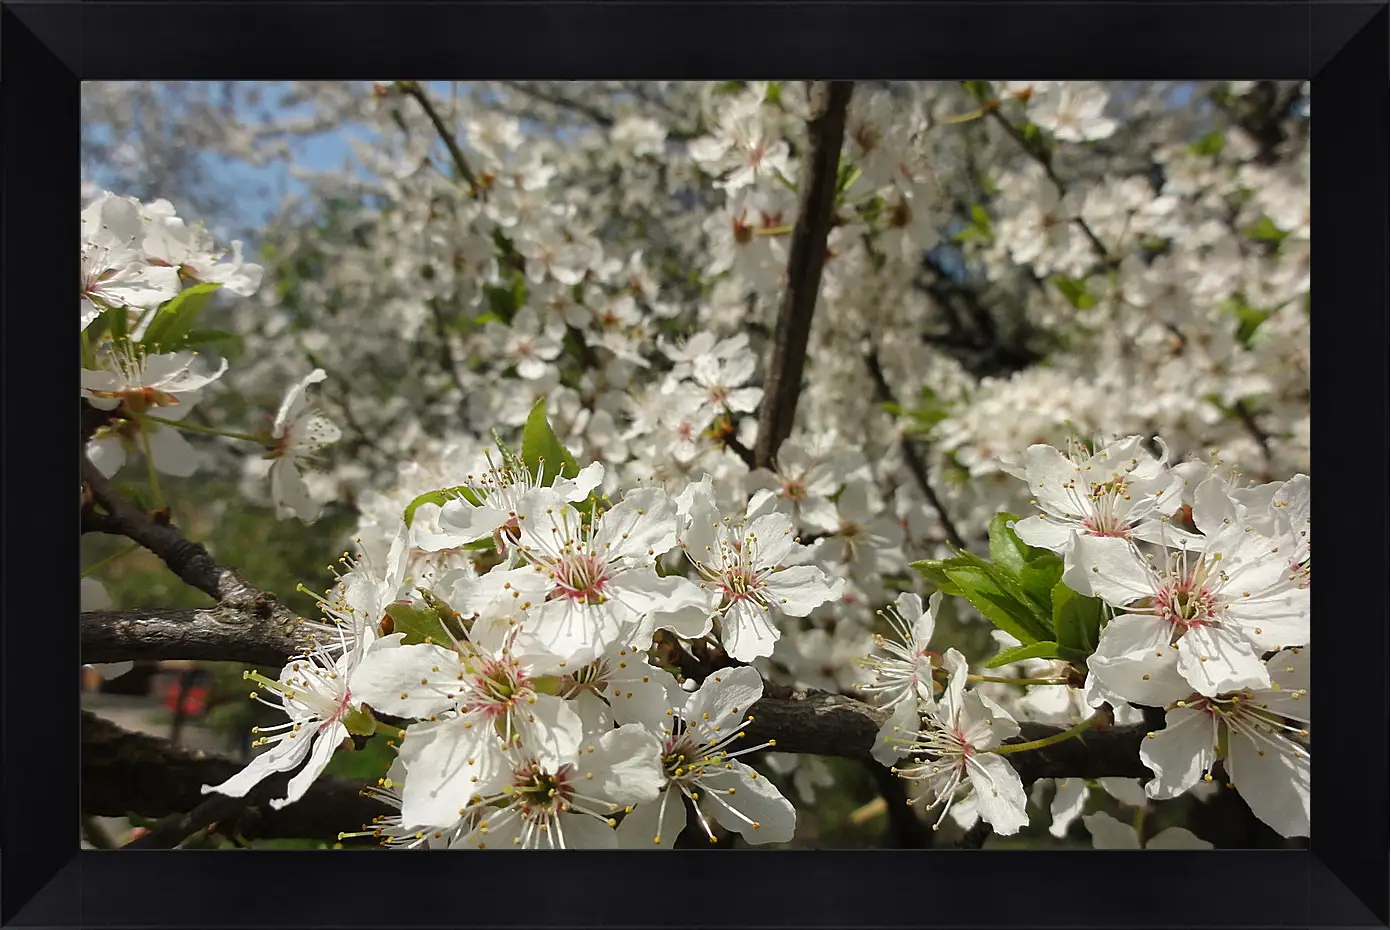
{"points": [[47, 48]]}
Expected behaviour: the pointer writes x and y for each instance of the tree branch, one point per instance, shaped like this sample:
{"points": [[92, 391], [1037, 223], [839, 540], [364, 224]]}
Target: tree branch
{"points": [[223, 633], [1040, 155], [414, 89], [883, 394], [801, 721], [816, 196], [132, 773], [189, 560]]}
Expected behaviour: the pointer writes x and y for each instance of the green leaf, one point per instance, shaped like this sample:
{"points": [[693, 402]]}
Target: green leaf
{"points": [[990, 595], [418, 623], [441, 497], [1077, 619], [981, 90], [501, 303], [1266, 231], [228, 344], [847, 175], [542, 450], [173, 322], [1036, 570], [934, 572], [1210, 144], [1039, 576], [1006, 548], [1249, 319], [1074, 291], [1043, 650]]}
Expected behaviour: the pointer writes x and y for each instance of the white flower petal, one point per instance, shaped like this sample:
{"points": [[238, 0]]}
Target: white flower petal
{"points": [[1069, 800], [1214, 661], [654, 825], [1109, 833], [1272, 777], [999, 793], [1176, 838], [1180, 754], [749, 804], [326, 741]]}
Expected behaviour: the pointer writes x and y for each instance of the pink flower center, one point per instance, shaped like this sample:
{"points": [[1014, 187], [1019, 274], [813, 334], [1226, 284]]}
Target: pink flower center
{"points": [[581, 576], [497, 685], [740, 582], [794, 490], [1185, 603]]}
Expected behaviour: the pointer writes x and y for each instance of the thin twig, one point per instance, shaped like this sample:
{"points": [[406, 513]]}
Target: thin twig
{"points": [[1045, 160], [883, 394], [414, 89]]}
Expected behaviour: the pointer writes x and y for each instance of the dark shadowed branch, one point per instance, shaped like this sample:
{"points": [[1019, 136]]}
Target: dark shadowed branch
{"points": [[816, 195], [132, 773]]}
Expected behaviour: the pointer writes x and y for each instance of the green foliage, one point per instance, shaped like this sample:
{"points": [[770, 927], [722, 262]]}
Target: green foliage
{"points": [[504, 302], [542, 450], [927, 413], [366, 764], [847, 174], [170, 328], [229, 345], [979, 227], [1210, 144], [1265, 230], [1020, 590], [980, 90], [1249, 318], [440, 498], [418, 623], [1043, 650], [1077, 619], [1074, 290]]}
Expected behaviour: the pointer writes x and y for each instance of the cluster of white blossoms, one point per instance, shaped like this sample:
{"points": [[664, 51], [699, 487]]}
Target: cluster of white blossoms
{"points": [[139, 347], [997, 279], [541, 716], [1203, 587]]}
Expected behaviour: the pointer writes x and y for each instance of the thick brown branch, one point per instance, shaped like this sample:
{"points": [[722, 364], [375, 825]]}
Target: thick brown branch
{"points": [[801, 721], [222, 633], [133, 773], [821, 723], [187, 559], [816, 197]]}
